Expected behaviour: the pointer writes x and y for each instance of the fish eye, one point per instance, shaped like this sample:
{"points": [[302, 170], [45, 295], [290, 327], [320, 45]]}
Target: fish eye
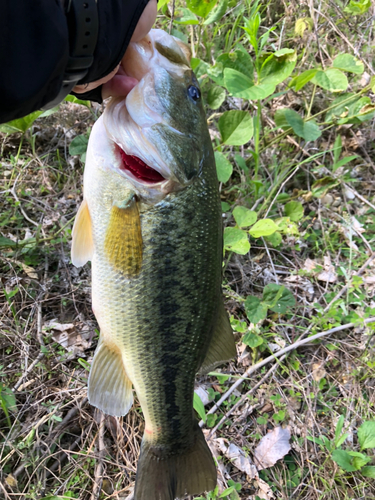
{"points": [[194, 93]]}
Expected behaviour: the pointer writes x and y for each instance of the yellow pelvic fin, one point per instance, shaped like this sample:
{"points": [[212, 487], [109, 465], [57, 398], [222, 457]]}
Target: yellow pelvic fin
{"points": [[123, 240], [82, 244], [109, 387], [222, 346]]}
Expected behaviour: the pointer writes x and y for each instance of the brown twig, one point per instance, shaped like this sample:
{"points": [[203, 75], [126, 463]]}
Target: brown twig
{"points": [[99, 463], [244, 396], [287, 349]]}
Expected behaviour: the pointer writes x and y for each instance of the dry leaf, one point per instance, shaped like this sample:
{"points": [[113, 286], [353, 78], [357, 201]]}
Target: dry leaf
{"points": [[310, 265], [265, 492], [203, 394], [318, 372], [272, 447], [11, 481], [329, 274], [238, 458], [71, 337]]}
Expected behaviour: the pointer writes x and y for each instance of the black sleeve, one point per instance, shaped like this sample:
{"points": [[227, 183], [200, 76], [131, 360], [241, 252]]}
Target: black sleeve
{"points": [[34, 49]]}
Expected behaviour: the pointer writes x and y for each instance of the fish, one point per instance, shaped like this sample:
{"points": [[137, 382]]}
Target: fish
{"points": [[151, 225]]}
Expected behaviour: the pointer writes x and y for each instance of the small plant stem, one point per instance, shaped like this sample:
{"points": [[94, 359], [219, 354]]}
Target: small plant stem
{"points": [[192, 40], [199, 40], [289, 348], [172, 17], [256, 141], [311, 101]]}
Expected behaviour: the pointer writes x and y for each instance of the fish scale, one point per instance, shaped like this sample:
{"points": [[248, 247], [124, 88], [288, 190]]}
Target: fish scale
{"points": [[156, 251]]}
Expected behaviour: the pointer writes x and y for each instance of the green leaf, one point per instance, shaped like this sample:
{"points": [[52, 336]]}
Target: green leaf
{"points": [[368, 471], [180, 35], [339, 426], [199, 407], [278, 298], [278, 66], [239, 85], [186, 18], [286, 226], [251, 339], [337, 148], [224, 168], [358, 8], [161, 3], [349, 63], [294, 210], [199, 67], [236, 127], [255, 309], [73, 98], [366, 435], [8, 398], [343, 459], [238, 60], [244, 217], [359, 459], [331, 79], [21, 124], [211, 420], [215, 97], [264, 227], [236, 82], [217, 13], [7, 242], [286, 118], [201, 7], [78, 146], [236, 240], [301, 80], [274, 239], [344, 161], [303, 24]]}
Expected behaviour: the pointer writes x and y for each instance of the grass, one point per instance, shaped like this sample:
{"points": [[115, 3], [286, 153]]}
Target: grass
{"points": [[53, 444]]}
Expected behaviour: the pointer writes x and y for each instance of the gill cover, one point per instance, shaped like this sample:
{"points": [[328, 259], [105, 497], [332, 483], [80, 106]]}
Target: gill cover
{"points": [[162, 120]]}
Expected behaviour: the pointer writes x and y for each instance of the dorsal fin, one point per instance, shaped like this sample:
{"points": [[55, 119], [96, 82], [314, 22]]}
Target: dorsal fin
{"points": [[82, 244]]}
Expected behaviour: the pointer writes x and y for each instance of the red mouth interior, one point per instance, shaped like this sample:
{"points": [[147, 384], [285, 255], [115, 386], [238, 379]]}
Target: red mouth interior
{"points": [[139, 168]]}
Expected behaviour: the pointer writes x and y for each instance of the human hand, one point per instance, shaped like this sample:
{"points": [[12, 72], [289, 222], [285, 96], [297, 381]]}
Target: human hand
{"points": [[117, 83]]}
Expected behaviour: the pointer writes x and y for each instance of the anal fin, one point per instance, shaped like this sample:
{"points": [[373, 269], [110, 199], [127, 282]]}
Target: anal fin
{"points": [[82, 244], [123, 241], [222, 347], [109, 387]]}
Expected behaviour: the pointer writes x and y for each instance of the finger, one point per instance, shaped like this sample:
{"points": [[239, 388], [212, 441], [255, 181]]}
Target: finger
{"points": [[80, 89], [120, 85]]}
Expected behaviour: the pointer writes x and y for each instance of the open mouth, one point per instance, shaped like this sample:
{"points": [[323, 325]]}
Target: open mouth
{"points": [[139, 169]]}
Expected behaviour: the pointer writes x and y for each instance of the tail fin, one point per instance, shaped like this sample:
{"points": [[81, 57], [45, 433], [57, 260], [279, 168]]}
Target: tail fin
{"points": [[168, 477]]}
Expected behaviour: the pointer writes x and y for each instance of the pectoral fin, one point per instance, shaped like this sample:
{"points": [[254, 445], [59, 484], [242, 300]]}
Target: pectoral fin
{"points": [[222, 346], [82, 244], [123, 240], [109, 387]]}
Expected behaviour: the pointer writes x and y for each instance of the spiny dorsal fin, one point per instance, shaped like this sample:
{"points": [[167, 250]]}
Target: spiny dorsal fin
{"points": [[222, 347], [109, 387], [123, 240], [82, 244]]}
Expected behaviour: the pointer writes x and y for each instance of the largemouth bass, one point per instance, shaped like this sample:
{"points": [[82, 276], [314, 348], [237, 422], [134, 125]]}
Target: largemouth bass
{"points": [[151, 224]]}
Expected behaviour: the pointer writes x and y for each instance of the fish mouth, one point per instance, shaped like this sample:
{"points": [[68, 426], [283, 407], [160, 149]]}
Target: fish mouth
{"points": [[138, 169]]}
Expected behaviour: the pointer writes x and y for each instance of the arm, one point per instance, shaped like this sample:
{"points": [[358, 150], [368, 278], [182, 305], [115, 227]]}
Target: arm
{"points": [[34, 49]]}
